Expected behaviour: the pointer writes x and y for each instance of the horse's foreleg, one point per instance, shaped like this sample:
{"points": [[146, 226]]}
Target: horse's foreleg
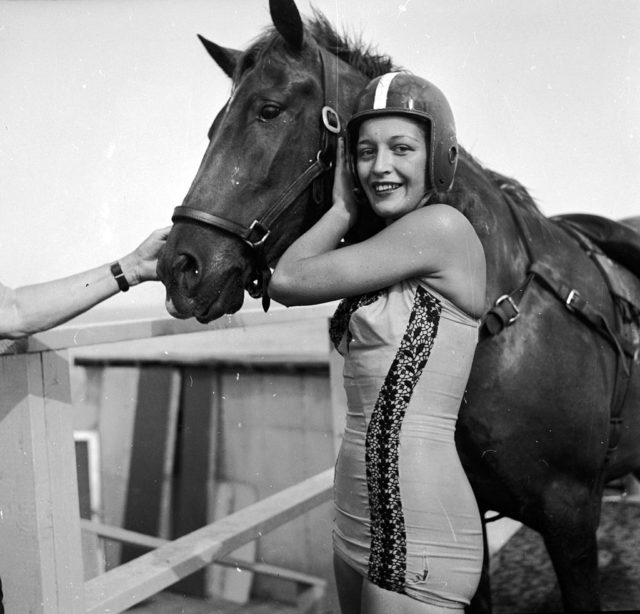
{"points": [[575, 560]]}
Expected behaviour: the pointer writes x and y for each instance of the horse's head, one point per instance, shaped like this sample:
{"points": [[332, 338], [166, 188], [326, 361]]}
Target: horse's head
{"points": [[264, 178]]}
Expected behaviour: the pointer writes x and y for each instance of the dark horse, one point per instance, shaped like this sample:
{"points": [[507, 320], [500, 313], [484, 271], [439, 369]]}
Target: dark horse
{"points": [[535, 432]]}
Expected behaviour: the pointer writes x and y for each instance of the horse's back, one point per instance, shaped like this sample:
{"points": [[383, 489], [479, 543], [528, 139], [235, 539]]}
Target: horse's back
{"points": [[620, 241]]}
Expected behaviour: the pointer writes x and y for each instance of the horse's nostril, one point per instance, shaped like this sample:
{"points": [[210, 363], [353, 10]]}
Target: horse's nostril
{"points": [[187, 271]]}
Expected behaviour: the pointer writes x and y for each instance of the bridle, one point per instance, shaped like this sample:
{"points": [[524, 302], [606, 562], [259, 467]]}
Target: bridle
{"points": [[255, 234]]}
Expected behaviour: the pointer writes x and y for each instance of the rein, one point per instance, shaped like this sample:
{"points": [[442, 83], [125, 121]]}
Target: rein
{"points": [[255, 235]]}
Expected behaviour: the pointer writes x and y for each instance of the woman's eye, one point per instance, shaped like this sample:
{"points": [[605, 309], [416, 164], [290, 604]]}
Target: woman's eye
{"points": [[365, 153], [269, 111], [402, 148]]}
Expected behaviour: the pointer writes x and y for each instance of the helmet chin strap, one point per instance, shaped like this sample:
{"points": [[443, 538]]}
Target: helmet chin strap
{"points": [[424, 201]]}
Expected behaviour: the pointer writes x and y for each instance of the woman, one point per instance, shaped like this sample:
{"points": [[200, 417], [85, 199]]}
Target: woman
{"points": [[34, 308], [407, 536]]}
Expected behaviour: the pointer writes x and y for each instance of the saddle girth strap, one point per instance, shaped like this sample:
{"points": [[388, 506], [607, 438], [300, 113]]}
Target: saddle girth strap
{"points": [[506, 311], [575, 303]]}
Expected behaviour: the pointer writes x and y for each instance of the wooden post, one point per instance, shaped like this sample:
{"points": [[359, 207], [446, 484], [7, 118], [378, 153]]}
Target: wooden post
{"points": [[41, 560]]}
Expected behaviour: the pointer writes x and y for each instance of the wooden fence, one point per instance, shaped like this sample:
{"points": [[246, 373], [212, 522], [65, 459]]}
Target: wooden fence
{"points": [[40, 528]]}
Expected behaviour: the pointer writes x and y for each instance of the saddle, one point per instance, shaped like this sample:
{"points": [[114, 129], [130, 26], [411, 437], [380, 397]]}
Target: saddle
{"points": [[615, 248], [617, 240]]}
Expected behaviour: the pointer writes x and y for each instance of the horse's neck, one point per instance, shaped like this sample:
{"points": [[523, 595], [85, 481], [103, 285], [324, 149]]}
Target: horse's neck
{"points": [[512, 235]]}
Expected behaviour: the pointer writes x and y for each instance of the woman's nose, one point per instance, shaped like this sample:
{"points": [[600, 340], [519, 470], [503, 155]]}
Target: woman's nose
{"points": [[382, 161]]}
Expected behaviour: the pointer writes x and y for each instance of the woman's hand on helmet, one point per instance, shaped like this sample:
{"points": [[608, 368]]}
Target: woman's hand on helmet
{"points": [[344, 198]]}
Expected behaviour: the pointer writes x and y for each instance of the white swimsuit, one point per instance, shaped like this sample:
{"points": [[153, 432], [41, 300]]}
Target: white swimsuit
{"points": [[406, 517]]}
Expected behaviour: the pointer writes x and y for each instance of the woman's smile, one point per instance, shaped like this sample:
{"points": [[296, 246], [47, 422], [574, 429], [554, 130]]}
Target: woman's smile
{"points": [[384, 188]]}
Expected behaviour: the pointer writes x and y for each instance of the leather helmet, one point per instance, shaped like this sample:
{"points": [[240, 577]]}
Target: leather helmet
{"points": [[402, 93]]}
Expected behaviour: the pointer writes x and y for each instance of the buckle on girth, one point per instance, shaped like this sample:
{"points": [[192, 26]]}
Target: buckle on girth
{"points": [[512, 303]]}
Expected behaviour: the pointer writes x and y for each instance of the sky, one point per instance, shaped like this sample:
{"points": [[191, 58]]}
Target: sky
{"points": [[105, 106]]}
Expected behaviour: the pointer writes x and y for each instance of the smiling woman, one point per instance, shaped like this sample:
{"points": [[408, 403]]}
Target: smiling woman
{"points": [[407, 535]]}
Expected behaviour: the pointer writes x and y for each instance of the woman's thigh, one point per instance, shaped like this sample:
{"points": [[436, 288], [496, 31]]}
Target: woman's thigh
{"points": [[376, 600], [349, 584]]}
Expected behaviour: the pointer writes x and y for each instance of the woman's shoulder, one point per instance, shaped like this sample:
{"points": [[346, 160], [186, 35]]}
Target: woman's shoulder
{"points": [[461, 271], [444, 217], [440, 223]]}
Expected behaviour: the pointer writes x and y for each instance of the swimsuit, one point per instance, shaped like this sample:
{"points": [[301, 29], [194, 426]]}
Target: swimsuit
{"points": [[406, 517]]}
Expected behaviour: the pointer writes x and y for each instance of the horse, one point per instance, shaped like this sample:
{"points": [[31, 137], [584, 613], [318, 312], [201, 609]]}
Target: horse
{"points": [[550, 414]]}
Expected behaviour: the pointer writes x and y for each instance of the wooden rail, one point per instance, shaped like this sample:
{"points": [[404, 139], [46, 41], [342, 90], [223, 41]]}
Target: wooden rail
{"points": [[133, 582], [41, 563]]}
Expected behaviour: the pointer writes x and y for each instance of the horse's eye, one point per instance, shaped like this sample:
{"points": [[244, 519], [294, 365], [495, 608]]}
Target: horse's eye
{"points": [[269, 111]]}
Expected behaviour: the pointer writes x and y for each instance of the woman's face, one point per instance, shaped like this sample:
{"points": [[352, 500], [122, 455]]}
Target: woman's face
{"points": [[391, 161]]}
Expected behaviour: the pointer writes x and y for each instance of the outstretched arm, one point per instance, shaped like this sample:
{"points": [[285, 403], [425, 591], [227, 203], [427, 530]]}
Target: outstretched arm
{"points": [[30, 309]]}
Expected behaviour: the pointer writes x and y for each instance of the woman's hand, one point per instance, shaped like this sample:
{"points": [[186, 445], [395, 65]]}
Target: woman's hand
{"points": [[140, 265], [344, 198]]}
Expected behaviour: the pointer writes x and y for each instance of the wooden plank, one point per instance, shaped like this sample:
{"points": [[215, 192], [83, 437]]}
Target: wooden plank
{"points": [[114, 401], [133, 582], [22, 460], [124, 536], [196, 461], [41, 562], [149, 542], [152, 443], [76, 336], [62, 483], [275, 410], [88, 470], [232, 583], [296, 342], [258, 361]]}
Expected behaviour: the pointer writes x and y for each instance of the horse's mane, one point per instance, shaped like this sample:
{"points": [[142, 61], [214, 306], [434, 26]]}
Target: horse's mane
{"points": [[365, 59], [350, 49], [519, 194]]}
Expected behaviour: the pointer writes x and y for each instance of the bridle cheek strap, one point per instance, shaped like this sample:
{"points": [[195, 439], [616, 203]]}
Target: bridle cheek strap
{"points": [[256, 234]]}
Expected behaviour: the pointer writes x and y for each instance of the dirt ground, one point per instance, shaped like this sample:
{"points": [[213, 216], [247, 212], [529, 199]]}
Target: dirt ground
{"points": [[524, 580]]}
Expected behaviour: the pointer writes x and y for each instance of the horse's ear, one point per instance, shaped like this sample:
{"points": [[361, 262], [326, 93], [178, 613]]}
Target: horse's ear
{"points": [[287, 20], [225, 58]]}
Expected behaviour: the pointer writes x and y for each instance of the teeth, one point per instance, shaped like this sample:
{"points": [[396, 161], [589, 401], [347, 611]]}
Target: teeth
{"points": [[387, 187]]}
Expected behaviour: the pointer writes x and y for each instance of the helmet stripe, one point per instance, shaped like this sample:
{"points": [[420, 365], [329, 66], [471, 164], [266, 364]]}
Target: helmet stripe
{"points": [[382, 90]]}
